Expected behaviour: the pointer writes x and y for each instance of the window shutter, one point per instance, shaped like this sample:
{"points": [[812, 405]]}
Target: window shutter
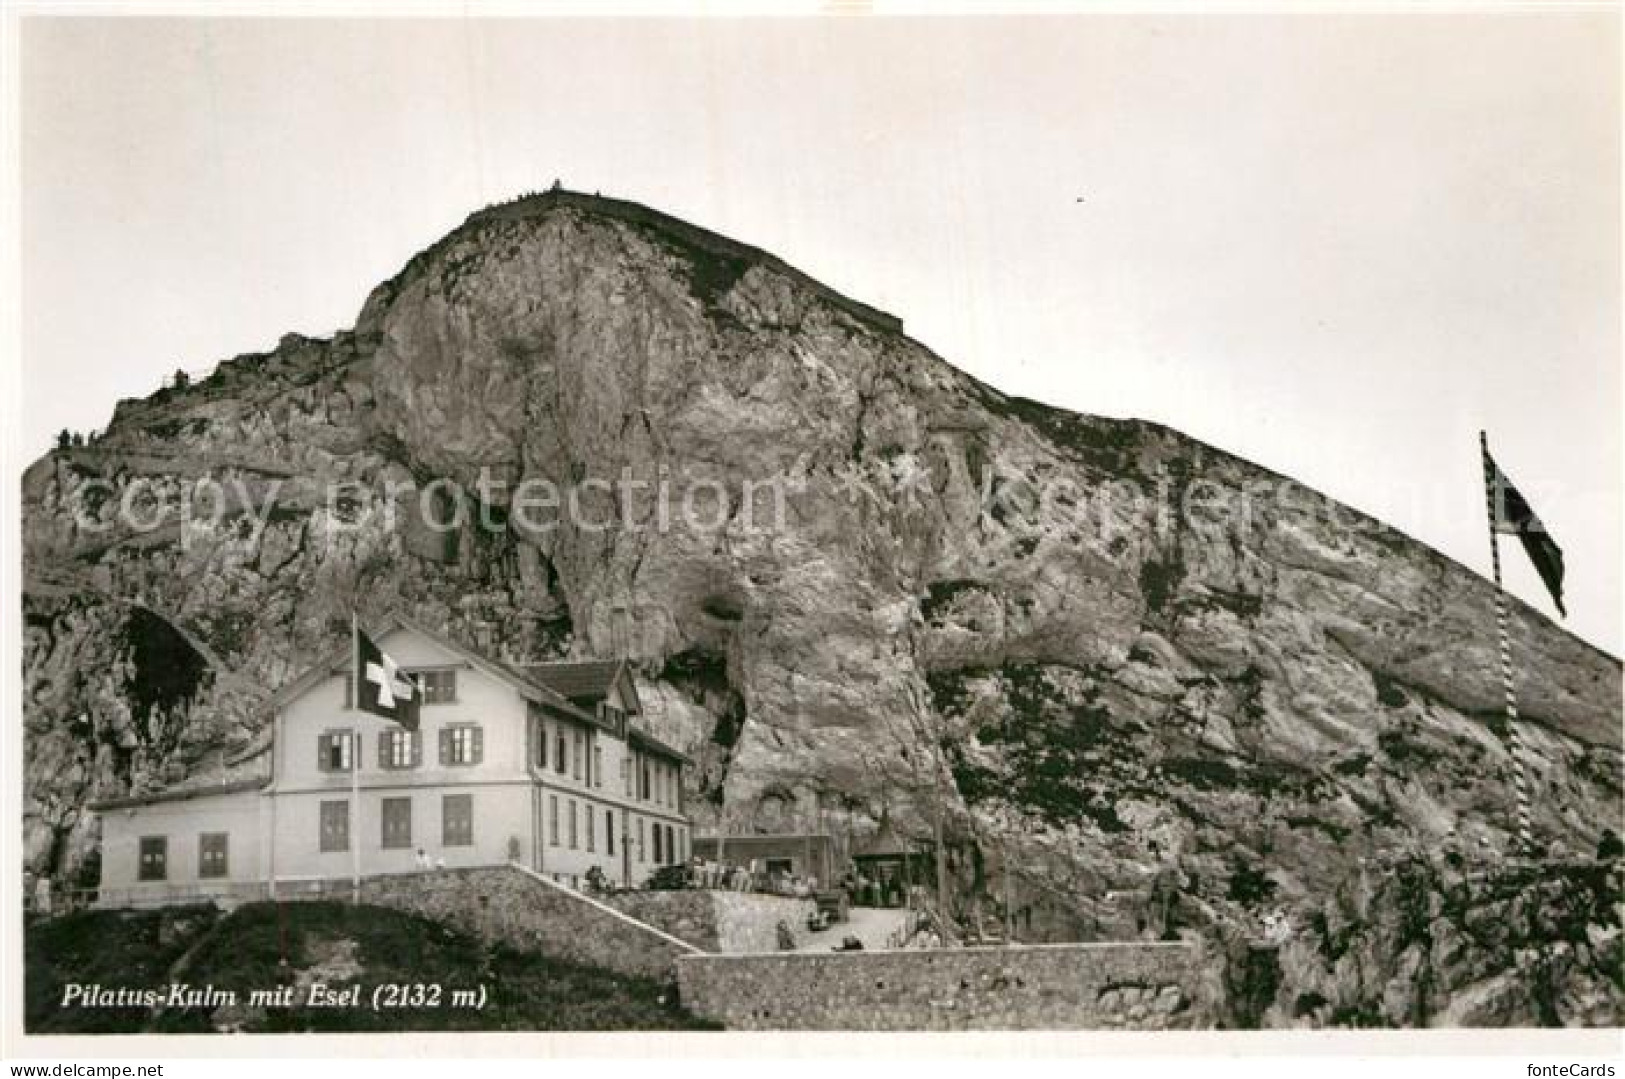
{"points": [[445, 745], [479, 745], [322, 756], [417, 747], [383, 749]]}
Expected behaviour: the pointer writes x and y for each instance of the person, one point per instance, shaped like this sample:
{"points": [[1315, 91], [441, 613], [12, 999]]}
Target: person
{"points": [[440, 863], [422, 859], [42, 895]]}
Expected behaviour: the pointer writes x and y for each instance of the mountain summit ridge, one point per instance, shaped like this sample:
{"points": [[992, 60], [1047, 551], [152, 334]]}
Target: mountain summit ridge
{"points": [[975, 607]]}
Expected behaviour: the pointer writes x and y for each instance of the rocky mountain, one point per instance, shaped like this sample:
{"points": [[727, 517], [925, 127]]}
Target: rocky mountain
{"points": [[1170, 690]]}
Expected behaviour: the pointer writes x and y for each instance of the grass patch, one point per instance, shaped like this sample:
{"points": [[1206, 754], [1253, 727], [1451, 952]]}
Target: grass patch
{"points": [[107, 948], [340, 945]]}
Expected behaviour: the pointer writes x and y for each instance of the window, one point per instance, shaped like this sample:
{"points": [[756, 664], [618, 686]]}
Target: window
{"points": [[462, 744], [590, 829], [643, 779], [575, 754], [399, 748], [439, 687], [553, 819], [335, 826], [561, 759], [397, 823], [211, 855], [572, 824], [597, 765], [539, 739], [626, 775], [640, 839], [609, 830], [657, 830], [333, 751], [457, 820], [154, 858]]}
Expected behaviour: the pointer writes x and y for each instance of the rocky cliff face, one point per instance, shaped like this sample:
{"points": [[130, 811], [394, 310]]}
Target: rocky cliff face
{"points": [[1103, 653]]}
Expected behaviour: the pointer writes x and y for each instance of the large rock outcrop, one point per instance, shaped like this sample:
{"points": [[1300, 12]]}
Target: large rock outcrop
{"points": [[1098, 650]]}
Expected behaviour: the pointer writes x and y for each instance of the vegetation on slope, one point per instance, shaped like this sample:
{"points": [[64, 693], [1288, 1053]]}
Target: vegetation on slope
{"points": [[338, 945]]}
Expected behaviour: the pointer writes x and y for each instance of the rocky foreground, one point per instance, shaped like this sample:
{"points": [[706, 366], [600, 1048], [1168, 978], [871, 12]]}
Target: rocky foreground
{"points": [[1172, 691]]}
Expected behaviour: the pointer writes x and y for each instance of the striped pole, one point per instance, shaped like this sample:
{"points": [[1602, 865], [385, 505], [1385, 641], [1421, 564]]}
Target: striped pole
{"points": [[1514, 739]]}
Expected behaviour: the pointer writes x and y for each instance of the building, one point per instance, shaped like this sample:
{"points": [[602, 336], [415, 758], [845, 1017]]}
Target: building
{"points": [[811, 856], [543, 764], [893, 863]]}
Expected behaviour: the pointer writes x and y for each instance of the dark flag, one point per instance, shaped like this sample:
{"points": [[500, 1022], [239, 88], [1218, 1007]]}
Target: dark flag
{"points": [[380, 687], [1510, 515]]}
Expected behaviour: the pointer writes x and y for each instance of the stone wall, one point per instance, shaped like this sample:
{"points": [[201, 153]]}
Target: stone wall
{"points": [[749, 923], [718, 921], [1055, 987], [515, 906]]}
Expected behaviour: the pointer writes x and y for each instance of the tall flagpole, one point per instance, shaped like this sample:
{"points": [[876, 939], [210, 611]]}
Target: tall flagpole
{"points": [[355, 759], [1514, 739]]}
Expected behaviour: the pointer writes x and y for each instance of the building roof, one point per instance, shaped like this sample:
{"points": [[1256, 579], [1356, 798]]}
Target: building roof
{"points": [[752, 837], [887, 842], [644, 740], [181, 794], [337, 661], [585, 681], [526, 678]]}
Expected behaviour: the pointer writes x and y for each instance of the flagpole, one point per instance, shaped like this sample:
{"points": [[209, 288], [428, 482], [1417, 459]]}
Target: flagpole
{"points": [[355, 759], [1509, 689]]}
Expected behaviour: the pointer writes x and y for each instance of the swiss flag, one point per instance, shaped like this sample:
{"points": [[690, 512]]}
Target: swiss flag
{"points": [[381, 687]]}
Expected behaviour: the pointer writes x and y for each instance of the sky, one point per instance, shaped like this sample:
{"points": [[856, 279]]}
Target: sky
{"points": [[1336, 245]]}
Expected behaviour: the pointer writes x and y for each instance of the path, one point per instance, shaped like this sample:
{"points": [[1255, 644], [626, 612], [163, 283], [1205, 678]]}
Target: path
{"points": [[872, 925]]}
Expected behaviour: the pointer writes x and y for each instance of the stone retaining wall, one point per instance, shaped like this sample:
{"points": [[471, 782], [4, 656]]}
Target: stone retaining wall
{"points": [[1052, 987], [718, 921], [515, 906]]}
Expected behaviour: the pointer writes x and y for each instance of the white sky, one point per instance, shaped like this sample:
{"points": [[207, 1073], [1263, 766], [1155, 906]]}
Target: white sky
{"points": [[1335, 245]]}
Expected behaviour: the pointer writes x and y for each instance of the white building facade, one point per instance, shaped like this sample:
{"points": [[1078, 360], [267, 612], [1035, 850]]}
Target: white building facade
{"points": [[544, 765]]}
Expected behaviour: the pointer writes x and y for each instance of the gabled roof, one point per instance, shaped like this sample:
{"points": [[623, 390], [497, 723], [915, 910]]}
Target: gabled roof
{"points": [[887, 842], [586, 682], [337, 661]]}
